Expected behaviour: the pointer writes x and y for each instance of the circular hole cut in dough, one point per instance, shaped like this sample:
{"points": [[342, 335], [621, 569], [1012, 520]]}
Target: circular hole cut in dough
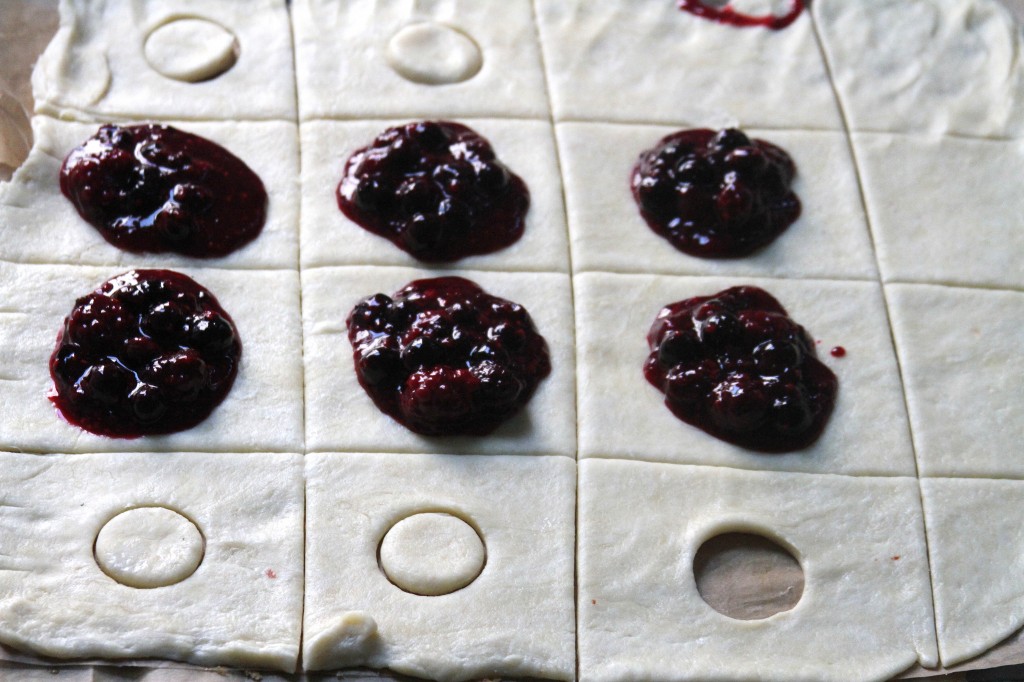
{"points": [[747, 576], [432, 553], [149, 547], [433, 54], [191, 49]]}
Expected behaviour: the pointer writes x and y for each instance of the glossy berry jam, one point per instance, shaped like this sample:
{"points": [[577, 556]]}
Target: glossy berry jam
{"points": [[157, 189], [435, 190], [444, 357], [716, 194], [735, 365], [149, 352], [725, 14]]}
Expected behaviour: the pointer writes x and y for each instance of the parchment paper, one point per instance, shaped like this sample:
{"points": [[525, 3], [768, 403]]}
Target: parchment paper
{"points": [[744, 577]]}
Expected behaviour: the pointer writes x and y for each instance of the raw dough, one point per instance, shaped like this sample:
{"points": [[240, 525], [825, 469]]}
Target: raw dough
{"points": [[514, 621], [149, 547], [960, 353], [608, 233], [865, 613], [976, 545], [340, 415], [40, 225], [191, 50], [948, 211], [432, 554], [433, 54], [526, 147], [95, 69], [628, 61], [622, 416], [343, 70], [242, 607], [925, 66], [262, 412]]}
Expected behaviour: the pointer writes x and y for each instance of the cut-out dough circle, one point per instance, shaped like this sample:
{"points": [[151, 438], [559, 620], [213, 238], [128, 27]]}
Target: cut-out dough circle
{"points": [[431, 554], [149, 547], [433, 54], [191, 49], [747, 576]]}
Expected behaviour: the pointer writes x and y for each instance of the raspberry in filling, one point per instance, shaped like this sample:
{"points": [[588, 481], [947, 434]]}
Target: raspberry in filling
{"points": [[149, 352], [155, 188], [725, 14], [435, 190], [444, 357], [716, 194], [735, 365]]}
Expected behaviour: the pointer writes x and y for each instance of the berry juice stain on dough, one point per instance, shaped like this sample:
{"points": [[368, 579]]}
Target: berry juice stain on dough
{"points": [[153, 188], [737, 366], [725, 14]]}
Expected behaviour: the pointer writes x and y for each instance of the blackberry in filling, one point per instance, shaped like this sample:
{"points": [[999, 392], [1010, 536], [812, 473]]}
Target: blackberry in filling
{"points": [[444, 357], [436, 190], [155, 188], [716, 195], [148, 352], [735, 365]]}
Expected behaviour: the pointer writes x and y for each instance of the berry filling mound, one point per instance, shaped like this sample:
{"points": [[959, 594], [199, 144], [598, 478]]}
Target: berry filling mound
{"points": [[436, 191], [153, 188], [725, 14], [735, 365], [149, 352], [716, 194], [444, 357]]}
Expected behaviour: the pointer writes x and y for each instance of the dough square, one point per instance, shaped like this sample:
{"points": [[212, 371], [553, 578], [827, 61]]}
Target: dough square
{"points": [[330, 238], [935, 66], [865, 612], [40, 225], [96, 69], [976, 548], [241, 607], [959, 352], [262, 412], [628, 61], [946, 213], [343, 70], [830, 239], [624, 417], [340, 416], [515, 620]]}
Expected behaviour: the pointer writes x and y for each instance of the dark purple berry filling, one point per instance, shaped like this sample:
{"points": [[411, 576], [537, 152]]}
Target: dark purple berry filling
{"points": [[716, 195], [435, 190], [149, 352], [444, 357], [735, 365], [157, 189], [725, 14]]}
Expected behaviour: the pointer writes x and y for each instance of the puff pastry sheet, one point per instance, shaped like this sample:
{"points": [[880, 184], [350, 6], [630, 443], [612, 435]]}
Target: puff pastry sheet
{"points": [[96, 67], [40, 225], [242, 606], [340, 416], [514, 620], [865, 613], [262, 412]]}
